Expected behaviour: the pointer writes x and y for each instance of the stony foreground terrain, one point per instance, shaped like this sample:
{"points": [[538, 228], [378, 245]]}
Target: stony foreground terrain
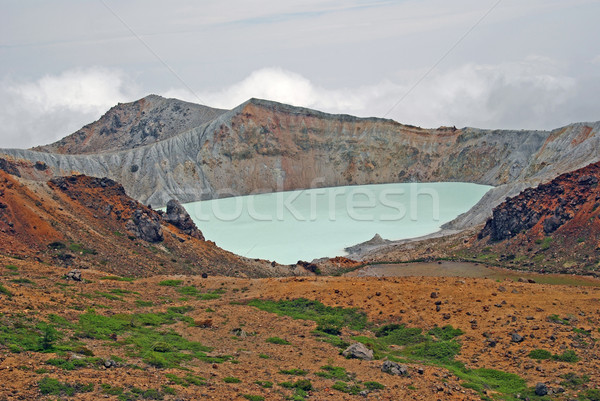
{"points": [[188, 337]]}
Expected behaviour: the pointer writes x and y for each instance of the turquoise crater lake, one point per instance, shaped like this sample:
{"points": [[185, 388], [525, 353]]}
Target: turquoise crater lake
{"points": [[321, 222]]}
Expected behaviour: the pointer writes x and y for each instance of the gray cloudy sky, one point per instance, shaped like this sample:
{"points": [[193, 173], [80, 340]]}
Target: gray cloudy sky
{"points": [[520, 63]]}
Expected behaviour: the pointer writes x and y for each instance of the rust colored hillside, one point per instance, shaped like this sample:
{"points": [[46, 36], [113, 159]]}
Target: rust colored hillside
{"points": [[554, 227], [84, 222]]}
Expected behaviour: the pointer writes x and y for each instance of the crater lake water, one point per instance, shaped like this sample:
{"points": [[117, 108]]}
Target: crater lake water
{"points": [[321, 222]]}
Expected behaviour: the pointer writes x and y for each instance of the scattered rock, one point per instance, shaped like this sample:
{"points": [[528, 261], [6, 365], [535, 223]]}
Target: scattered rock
{"points": [[394, 368], [204, 275], [109, 363], [516, 338], [358, 351], [74, 275], [541, 389], [239, 332], [434, 295]]}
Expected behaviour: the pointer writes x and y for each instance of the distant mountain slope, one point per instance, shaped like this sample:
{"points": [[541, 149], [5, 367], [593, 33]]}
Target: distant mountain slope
{"points": [[130, 125], [86, 222], [555, 226], [264, 146]]}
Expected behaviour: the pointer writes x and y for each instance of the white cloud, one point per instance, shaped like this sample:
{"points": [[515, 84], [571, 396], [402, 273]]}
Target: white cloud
{"points": [[39, 112], [526, 94], [533, 93]]}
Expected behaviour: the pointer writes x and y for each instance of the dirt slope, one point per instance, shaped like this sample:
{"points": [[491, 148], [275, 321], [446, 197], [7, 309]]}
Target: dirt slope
{"points": [[84, 222]]}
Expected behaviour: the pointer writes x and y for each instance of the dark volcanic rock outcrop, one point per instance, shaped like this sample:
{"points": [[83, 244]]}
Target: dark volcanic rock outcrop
{"points": [[555, 225], [145, 226], [546, 207], [179, 217]]}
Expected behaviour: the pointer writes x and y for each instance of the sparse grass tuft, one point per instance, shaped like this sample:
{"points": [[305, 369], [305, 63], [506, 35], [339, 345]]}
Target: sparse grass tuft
{"points": [[277, 340], [51, 386], [171, 283]]}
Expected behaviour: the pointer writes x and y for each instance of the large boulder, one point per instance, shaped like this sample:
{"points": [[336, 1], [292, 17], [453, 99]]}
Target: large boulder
{"points": [[180, 218], [358, 351], [145, 226]]}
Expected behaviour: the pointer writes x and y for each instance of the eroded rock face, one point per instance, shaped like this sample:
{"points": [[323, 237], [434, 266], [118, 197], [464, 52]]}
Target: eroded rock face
{"points": [[145, 226], [179, 217], [9, 167], [547, 207]]}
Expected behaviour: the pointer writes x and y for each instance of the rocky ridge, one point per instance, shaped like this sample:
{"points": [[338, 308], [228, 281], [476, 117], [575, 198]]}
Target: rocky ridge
{"points": [[263, 146]]}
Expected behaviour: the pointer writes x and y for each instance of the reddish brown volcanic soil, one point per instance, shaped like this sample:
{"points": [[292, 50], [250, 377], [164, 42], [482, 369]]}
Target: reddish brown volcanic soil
{"points": [[479, 307]]}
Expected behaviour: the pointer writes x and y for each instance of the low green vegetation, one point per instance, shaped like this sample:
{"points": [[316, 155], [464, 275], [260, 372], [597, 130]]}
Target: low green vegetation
{"points": [[544, 243], [573, 380], [344, 387], [117, 278], [301, 388], [187, 380], [277, 340], [51, 386], [194, 292], [335, 373], [22, 281], [294, 372], [264, 383], [171, 283], [330, 320], [82, 249], [231, 379], [5, 291], [438, 346], [73, 363], [253, 397], [541, 354]]}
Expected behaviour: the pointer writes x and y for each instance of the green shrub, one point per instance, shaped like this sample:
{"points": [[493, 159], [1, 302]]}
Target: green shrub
{"points": [[445, 333], [572, 380], [353, 389], [590, 395], [399, 334], [294, 372], [264, 383], [110, 390], [231, 379], [440, 352], [171, 283], [540, 354], [5, 291], [305, 309], [372, 386], [567, 356], [253, 397], [50, 386], [277, 340], [335, 373]]}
